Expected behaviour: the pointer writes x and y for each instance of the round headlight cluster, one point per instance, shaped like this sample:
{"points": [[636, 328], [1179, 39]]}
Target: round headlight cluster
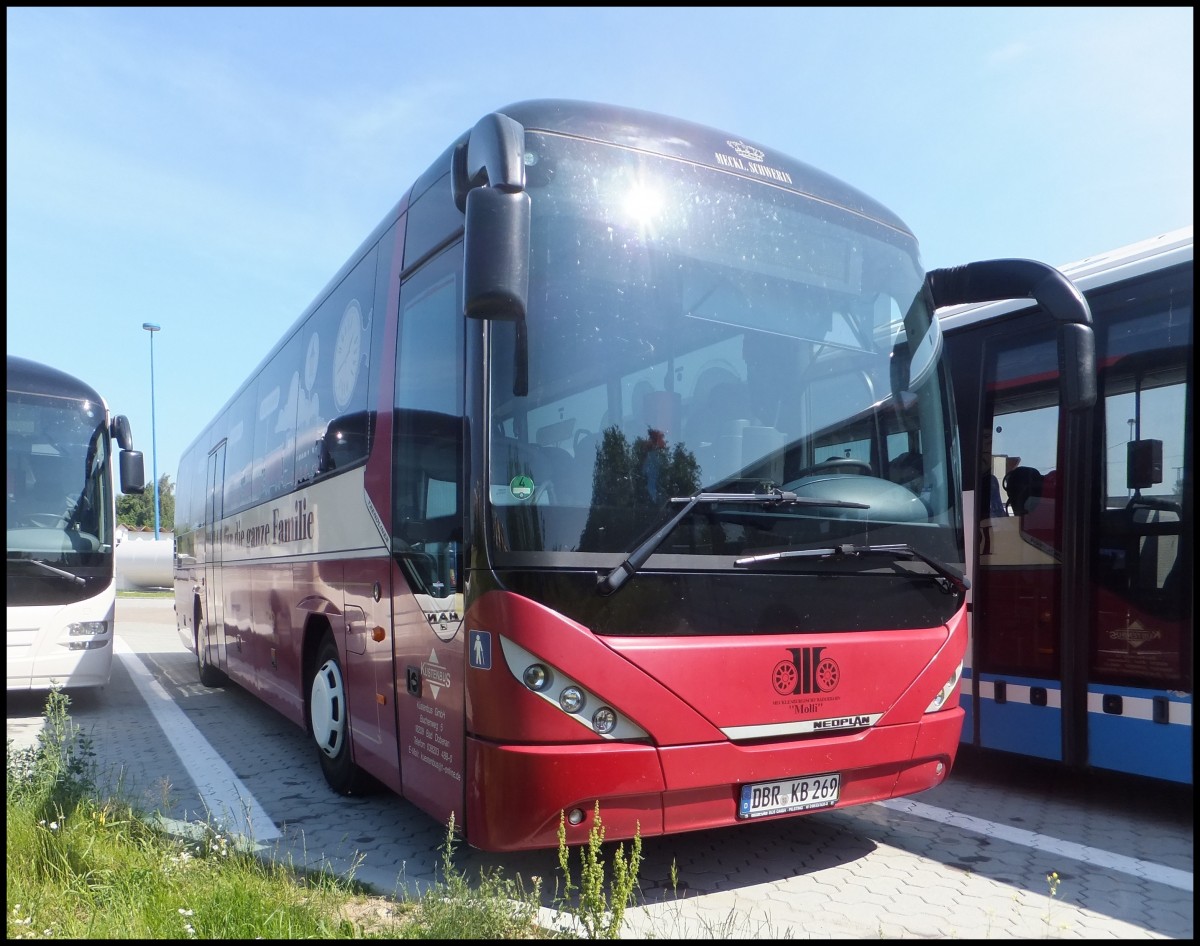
{"points": [[571, 700], [604, 720], [537, 677]]}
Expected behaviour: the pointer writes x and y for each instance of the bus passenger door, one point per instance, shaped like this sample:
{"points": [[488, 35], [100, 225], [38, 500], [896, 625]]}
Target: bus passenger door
{"points": [[1017, 621], [211, 634], [427, 539]]}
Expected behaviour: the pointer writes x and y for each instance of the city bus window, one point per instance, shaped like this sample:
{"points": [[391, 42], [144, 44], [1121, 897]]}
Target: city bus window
{"points": [[1140, 589]]}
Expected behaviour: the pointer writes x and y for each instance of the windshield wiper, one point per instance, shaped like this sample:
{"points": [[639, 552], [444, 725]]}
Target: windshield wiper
{"points": [[637, 558], [946, 573], [51, 569]]}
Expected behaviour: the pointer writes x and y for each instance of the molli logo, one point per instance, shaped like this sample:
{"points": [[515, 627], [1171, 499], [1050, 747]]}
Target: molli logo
{"points": [[808, 671]]}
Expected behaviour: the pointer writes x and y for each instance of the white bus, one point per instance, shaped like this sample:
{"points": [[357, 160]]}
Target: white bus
{"points": [[61, 521]]}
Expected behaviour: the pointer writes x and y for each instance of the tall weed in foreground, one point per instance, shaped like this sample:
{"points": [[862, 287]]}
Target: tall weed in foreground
{"points": [[55, 775], [600, 914], [496, 908]]}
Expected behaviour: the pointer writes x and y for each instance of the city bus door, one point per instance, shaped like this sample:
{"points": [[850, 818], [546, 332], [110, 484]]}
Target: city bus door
{"points": [[1018, 701]]}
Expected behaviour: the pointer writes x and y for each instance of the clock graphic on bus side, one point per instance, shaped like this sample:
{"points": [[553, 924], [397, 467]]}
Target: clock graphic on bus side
{"points": [[347, 355]]}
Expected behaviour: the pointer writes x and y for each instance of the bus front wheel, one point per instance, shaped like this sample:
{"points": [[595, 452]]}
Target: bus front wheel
{"points": [[330, 722]]}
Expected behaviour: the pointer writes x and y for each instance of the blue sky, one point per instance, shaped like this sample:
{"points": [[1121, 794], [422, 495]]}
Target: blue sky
{"points": [[209, 169]]}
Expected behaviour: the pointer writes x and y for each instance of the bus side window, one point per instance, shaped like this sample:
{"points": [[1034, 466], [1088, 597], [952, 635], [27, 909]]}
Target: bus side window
{"points": [[907, 470], [441, 524], [428, 432], [345, 441], [1152, 553]]}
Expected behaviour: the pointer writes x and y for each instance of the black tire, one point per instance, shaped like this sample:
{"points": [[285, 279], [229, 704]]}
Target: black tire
{"points": [[329, 722], [210, 675]]}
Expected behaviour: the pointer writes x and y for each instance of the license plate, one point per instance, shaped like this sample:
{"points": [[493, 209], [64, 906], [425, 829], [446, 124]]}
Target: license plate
{"points": [[789, 794]]}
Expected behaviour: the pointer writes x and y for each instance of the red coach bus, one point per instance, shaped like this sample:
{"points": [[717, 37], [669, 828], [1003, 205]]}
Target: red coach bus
{"points": [[617, 467]]}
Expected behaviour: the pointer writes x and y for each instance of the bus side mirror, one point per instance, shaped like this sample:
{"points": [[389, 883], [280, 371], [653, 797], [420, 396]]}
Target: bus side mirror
{"points": [[133, 472], [121, 432], [496, 254], [487, 176]]}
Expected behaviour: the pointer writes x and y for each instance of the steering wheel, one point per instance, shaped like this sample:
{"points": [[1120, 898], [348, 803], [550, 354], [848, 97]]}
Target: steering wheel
{"points": [[48, 520], [53, 520], [580, 435], [840, 465]]}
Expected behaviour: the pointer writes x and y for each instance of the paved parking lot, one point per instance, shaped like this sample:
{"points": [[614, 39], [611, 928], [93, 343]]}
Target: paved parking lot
{"points": [[970, 859]]}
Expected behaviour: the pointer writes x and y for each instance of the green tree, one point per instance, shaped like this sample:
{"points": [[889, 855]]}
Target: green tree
{"points": [[631, 481], [136, 511]]}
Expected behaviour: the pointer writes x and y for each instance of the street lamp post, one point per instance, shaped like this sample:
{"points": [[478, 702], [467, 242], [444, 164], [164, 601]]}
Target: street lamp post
{"points": [[152, 328]]}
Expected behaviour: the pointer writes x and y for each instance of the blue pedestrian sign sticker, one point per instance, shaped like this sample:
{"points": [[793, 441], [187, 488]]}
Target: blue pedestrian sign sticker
{"points": [[480, 648]]}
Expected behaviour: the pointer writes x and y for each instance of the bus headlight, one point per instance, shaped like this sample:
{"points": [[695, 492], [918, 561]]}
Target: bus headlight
{"points": [[571, 700], [536, 677], [944, 693], [568, 695], [87, 628], [604, 720]]}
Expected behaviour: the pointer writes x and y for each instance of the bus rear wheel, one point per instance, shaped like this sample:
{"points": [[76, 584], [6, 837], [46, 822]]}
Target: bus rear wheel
{"points": [[330, 722], [210, 676]]}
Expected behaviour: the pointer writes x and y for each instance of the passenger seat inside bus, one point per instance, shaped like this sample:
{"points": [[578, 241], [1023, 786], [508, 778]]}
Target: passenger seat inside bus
{"points": [[48, 492], [579, 489], [720, 398], [1023, 484], [512, 458]]}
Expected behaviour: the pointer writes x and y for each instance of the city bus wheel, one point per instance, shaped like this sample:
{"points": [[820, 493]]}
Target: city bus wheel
{"points": [[330, 722]]}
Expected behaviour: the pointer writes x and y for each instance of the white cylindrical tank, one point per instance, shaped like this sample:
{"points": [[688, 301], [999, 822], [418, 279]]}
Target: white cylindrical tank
{"points": [[145, 563]]}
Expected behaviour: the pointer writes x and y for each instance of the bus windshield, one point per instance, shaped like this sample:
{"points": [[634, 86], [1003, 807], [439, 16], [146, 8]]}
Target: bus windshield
{"points": [[60, 531], [691, 330]]}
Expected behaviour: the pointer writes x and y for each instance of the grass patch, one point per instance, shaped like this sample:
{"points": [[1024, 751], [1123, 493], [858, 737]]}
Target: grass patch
{"points": [[84, 867]]}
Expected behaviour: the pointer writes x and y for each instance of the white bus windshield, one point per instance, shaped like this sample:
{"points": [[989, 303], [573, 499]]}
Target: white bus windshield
{"points": [[60, 533]]}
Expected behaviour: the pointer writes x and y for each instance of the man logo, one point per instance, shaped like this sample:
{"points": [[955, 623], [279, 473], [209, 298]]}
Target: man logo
{"points": [[806, 672]]}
